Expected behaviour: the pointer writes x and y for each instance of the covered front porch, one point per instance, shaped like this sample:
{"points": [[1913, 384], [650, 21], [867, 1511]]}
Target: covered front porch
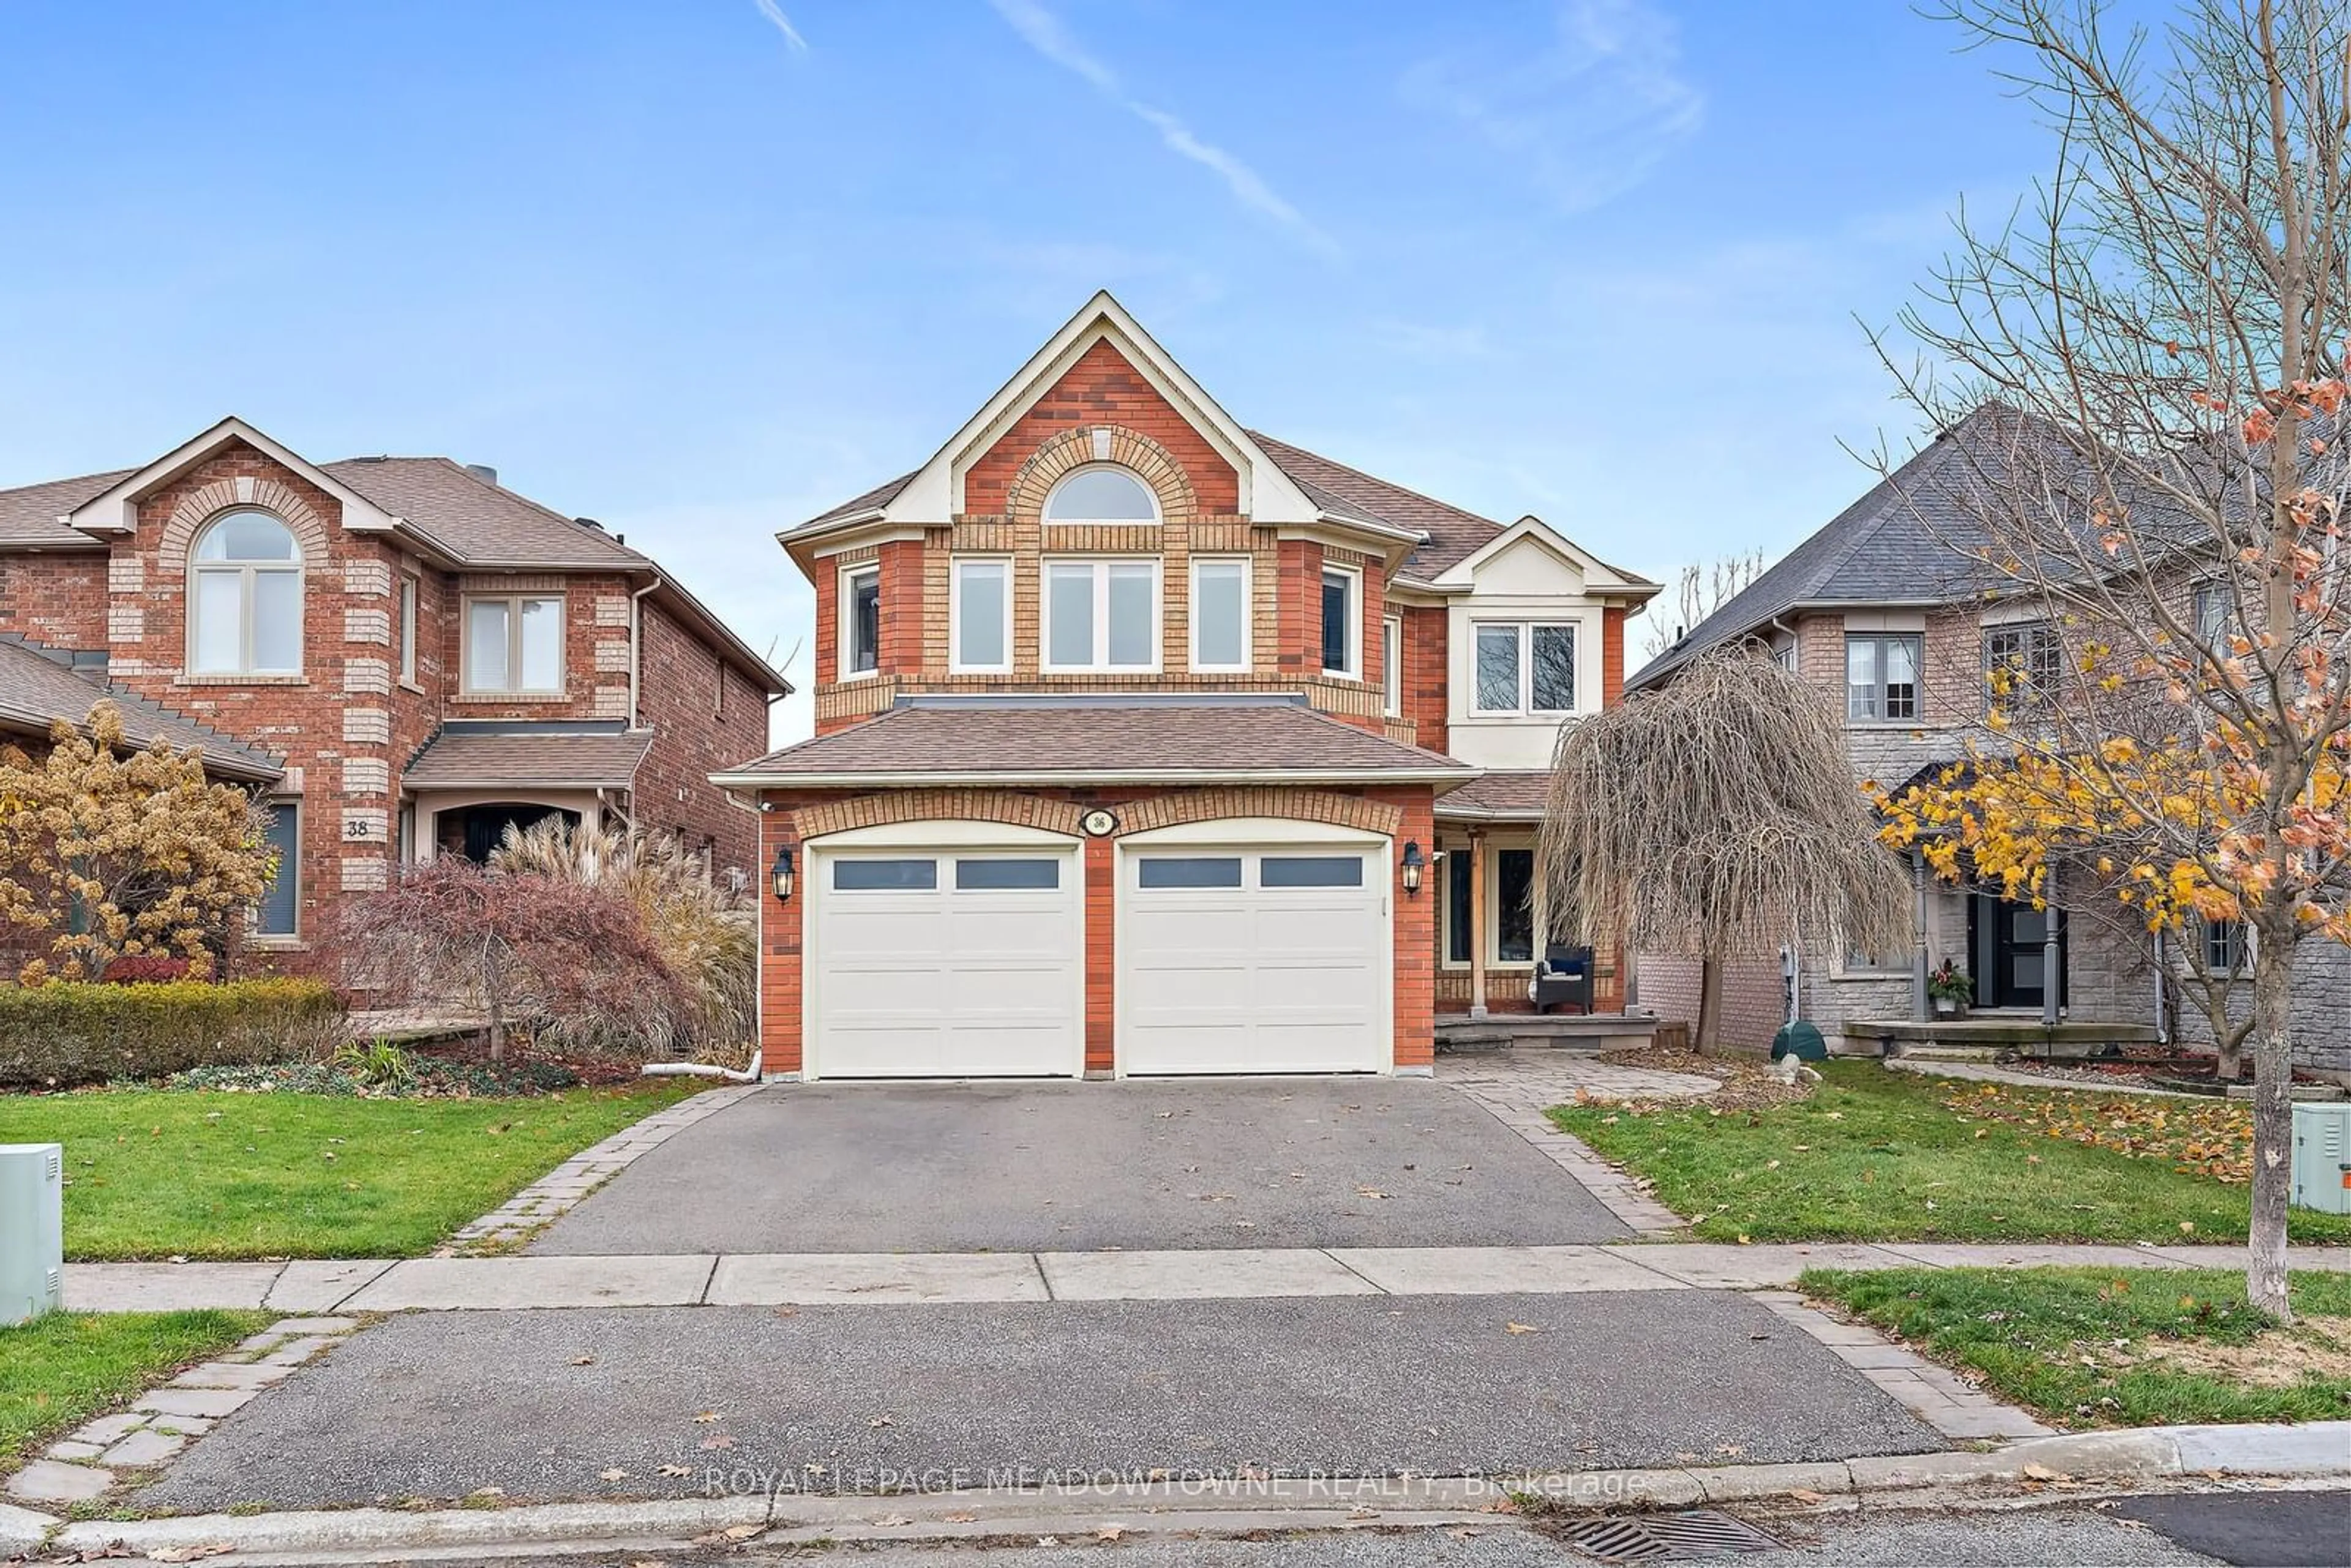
{"points": [[1495, 933], [475, 780]]}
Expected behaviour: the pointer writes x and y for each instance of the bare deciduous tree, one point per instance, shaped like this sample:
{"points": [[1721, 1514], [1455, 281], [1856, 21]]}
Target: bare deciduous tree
{"points": [[2165, 323], [1717, 815], [1699, 592]]}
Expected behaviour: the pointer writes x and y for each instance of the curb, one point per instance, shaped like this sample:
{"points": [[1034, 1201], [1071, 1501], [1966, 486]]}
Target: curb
{"points": [[2319, 1449]]}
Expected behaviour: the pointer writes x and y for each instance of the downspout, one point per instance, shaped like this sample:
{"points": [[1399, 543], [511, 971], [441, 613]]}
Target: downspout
{"points": [[707, 1069], [2162, 993], [637, 649]]}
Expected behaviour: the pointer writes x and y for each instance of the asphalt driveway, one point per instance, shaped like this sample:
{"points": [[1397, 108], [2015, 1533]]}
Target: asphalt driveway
{"points": [[952, 1167], [543, 1403]]}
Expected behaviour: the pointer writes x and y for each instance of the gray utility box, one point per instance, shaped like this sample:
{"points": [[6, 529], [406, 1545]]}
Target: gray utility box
{"points": [[2322, 1155], [32, 1231]]}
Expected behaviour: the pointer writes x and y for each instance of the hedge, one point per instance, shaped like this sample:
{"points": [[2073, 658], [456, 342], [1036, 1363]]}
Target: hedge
{"points": [[65, 1033]]}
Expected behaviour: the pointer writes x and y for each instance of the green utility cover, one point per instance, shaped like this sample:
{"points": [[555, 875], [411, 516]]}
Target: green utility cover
{"points": [[1800, 1039]]}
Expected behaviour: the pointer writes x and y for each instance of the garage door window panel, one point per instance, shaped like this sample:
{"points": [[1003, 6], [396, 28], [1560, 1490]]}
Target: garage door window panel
{"points": [[1007, 875], [1311, 870], [1188, 871], [885, 875]]}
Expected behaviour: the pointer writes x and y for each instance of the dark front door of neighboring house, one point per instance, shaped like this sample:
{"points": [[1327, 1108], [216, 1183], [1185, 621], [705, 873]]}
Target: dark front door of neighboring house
{"points": [[475, 830], [2007, 941]]}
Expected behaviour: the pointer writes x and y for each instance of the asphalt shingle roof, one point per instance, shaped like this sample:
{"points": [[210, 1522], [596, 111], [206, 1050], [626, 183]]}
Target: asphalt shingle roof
{"points": [[477, 521], [527, 758], [30, 514], [1515, 794], [1018, 739], [37, 687], [1901, 543]]}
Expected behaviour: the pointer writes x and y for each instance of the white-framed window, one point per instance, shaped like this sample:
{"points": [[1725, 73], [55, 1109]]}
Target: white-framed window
{"points": [[514, 644], [1391, 665], [1881, 677], [1342, 622], [244, 598], [1220, 613], [408, 630], [1523, 666], [860, 619], [1101, 614], [1101, 492], [979, 615]]}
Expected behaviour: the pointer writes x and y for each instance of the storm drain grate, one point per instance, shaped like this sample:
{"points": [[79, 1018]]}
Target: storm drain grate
{"points": [[1665, 1537]]}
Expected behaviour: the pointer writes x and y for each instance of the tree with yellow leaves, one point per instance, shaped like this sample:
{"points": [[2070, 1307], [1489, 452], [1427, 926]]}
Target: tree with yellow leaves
{"points": [[119, 851], [2161, 331]]}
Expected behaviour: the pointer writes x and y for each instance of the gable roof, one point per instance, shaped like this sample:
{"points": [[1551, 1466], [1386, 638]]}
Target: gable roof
{"points": [[1898, 544], [40, 685], [479, 523], [34, 515]]}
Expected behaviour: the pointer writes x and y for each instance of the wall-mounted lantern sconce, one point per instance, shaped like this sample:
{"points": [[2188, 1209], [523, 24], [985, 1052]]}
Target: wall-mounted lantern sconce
{"points": [[781, 875], [1413, 861]]}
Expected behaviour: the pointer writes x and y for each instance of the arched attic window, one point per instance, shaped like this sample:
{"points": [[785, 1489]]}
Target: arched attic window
{"points": [[1101, 492], [244, 598]]}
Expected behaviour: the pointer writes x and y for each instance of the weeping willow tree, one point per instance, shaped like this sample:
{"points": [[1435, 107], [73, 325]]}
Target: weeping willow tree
{"points": [[1717, 815]]}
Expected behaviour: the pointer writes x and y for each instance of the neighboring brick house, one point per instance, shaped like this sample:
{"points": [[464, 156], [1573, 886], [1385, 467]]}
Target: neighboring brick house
{"points": [[1883, 608], [400, 655], [1147, 744]]}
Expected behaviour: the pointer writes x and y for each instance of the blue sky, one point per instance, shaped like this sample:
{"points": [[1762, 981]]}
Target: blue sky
{"points": [[703, 268]]}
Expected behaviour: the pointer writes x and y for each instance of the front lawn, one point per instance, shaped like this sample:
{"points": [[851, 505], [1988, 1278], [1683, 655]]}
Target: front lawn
{"points": [[2107, 1347], [1878, 1156], [170, 1173], [58, 1371]]}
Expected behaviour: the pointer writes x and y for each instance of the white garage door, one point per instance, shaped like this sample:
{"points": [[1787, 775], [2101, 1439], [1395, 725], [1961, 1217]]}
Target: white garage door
{"points": [[948, 962], [1253, 960]]}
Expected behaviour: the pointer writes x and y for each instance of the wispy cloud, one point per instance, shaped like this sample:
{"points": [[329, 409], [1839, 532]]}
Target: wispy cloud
{"points": [[783, 24], [1043, 32], [1591, 114]]}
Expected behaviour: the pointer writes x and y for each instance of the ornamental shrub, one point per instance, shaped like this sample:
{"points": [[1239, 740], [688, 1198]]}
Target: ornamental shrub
{"points": [[68, 1033]]}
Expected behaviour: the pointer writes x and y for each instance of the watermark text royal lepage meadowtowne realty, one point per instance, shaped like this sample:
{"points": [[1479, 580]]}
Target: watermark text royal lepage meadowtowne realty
{"points": [[1596, 1490]]}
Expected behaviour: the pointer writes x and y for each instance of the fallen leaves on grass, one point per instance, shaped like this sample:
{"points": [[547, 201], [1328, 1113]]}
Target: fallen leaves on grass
{"points": [[2211, 1139]]}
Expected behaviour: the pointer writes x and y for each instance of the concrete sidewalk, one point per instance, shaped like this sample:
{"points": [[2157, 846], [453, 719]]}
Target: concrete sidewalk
{"points": [[785, 1279]]}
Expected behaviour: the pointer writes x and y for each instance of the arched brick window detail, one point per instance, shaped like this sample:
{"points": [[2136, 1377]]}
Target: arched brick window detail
{"points": [[201, 505], [1271, 800], [1075, 449], [948, 805]]}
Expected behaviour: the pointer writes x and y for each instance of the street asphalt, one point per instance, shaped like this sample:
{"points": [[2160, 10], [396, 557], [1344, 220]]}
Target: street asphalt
{"points": [[928, 1167], [543, 1403], [2256, 1530]]}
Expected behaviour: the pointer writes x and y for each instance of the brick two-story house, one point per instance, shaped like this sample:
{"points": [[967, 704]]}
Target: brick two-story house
{"points": [[400, 655], [1148, 743]]}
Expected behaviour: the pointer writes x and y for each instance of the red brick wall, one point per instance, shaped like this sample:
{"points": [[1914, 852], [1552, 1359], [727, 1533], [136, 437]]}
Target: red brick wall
{"points": [[1413, 959], [55, 597], [1102, 388], [1612, 657], [1298, 611], [1424, 635], [694, 732]]}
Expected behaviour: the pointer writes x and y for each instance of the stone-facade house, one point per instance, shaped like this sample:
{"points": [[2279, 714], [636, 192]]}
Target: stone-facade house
{"points": [[1884, 609], [399, 654], [1148, 743]]}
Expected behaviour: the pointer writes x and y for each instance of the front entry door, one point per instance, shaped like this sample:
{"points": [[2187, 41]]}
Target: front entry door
{"points": [[2008, 941]]}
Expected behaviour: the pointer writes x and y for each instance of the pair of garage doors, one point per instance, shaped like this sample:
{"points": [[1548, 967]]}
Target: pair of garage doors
{"points": [[955, 960]]}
